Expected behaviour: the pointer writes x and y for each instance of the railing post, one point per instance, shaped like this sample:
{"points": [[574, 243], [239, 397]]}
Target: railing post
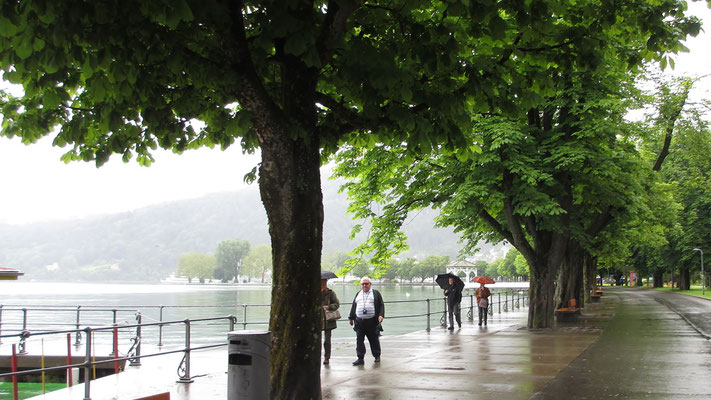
{"points": [[160, 328], [244, 317], [443, 320], [233, 321], [428, 315], [77, 340], [23, 341], [139, 336], [87, 365], [499, 295], [115, 338], [23, 334], [0, 323], [184, 366], [471, 307], [139, 319]]}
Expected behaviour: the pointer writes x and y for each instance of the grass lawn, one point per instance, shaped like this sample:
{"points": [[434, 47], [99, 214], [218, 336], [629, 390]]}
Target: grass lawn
{"points": [[28, 389], [694, 291]]}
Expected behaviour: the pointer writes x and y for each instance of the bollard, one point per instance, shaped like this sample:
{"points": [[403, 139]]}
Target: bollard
{"points": [[248, 365]]}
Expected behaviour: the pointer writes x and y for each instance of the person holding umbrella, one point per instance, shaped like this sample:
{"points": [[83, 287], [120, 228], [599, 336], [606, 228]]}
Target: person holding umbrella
{"points": [[329, 302], [453, 287], [454, 303], [482, 297]]}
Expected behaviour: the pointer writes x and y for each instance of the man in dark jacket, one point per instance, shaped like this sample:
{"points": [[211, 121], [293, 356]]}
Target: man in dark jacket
{"points": [[367, 312], [454, 304]]}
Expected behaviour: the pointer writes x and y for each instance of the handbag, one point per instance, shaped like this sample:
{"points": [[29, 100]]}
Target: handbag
{"points": [[333, 315], [483, 303]]}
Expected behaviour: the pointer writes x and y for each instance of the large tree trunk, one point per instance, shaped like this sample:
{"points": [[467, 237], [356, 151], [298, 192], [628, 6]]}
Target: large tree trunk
{"points": [[541, 295], [658, 277], [590, 274], [684, 278], [547, 257], [570, 277], [290, 186]]}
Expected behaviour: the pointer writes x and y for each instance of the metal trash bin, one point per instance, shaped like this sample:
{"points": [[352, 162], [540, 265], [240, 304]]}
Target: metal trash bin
{"points": [[248, 364]]}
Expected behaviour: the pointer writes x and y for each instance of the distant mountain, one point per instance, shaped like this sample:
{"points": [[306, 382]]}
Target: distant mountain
{"points": [[144, 245]]}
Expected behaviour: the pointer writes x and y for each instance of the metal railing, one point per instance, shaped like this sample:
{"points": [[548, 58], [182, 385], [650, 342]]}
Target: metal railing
{"points": [[500, 301], [133, 355]]}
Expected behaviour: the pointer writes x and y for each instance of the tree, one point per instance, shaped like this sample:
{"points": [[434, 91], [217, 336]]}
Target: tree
{"points": [[295, 80], [521, 265], [431, 266], [258, 261], [405, 269], [229, 256], [481, 267], [551, 170], [508, 268], [334, 260], [196, 265]]}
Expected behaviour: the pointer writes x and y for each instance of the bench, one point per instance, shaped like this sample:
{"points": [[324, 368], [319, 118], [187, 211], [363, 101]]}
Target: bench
{"points": [[598, 292], [595, 298], [568, 314]]}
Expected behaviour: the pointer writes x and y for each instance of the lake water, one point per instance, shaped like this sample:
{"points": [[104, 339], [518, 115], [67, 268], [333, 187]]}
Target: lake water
{"points": [[53, 306]]}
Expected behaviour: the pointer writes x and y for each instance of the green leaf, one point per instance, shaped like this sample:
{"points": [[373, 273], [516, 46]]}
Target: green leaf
{"points": [[296, 44], [24, 50], [497, 27], [13, 77], [51, 99], [7, 28]]}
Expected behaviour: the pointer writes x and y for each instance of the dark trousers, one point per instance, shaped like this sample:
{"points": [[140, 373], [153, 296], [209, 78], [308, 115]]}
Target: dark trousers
{"points": [[327, 344], [455, 311], [367, 328], [483, 313]]}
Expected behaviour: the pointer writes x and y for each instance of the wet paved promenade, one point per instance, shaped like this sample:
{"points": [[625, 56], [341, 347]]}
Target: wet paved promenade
{"points": [[633, 344]]}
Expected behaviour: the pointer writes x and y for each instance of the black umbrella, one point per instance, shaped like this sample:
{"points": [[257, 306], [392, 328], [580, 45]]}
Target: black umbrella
{"points": [[327, 275], [443, 281]]}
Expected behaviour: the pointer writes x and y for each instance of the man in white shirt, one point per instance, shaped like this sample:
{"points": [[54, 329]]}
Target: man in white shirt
{"points": [[367, 312]]}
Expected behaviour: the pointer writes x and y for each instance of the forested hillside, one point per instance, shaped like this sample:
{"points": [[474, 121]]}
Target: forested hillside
{"points": [[145, 244]]}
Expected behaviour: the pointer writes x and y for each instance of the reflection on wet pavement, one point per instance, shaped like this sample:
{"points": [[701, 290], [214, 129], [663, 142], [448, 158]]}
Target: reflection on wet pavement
{"points": [[630, 345]]}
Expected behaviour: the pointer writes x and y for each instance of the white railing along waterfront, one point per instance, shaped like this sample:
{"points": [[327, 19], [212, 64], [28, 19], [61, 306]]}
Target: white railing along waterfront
{"points": [[23, 328]]}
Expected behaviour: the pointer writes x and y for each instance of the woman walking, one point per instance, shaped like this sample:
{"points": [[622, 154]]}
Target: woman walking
{"points": [[482, 301], [329, 302]]}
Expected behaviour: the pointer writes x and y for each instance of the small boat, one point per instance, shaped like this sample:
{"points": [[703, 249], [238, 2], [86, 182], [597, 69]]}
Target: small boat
{"points": [[9, 274]]}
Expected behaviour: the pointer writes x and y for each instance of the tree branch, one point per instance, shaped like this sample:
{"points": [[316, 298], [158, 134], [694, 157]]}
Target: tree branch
{"points": [[333, 28], [670, 122]]}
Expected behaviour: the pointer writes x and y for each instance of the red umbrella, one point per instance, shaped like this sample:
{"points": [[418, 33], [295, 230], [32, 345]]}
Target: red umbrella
{"points": [[483, 279]]}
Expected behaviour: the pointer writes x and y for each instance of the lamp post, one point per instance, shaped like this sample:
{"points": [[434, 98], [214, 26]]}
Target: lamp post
{"points": [[703, 286]]}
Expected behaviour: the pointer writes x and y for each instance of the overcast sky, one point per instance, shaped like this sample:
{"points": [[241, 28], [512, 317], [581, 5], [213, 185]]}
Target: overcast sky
{"points": [[37, 187]]}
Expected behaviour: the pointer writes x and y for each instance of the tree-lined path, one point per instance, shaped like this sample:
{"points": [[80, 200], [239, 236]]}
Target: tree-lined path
{"points": [[648, 351]]}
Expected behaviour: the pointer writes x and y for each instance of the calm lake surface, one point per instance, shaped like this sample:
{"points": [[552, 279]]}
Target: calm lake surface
{"points": [[53, 306]]}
